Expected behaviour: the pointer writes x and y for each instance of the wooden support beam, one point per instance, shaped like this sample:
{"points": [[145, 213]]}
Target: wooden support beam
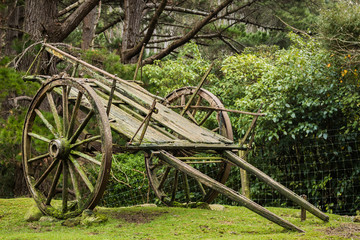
{"points": [[218, 109], [221, 188], [233, 158], [196, 90]]}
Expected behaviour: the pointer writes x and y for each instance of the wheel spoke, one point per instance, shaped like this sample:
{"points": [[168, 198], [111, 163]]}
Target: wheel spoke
{"points": [[37, 136], [46, 122], [191, 117], [186, 187], [65, 186], [46, 173], [82, 126], [54, 112], [54, 184], [206, 117], [201, 188], [81, 172], [65, 106], [87, 140], [202, 162], [74, 114], [215, 129], [182, 100], [38, 157], [85, 156], [162, 181], [75, 186], [174, 189], [196, 104]]}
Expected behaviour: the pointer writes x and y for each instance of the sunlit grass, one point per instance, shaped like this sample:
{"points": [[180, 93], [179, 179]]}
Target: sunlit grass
{"points": [[173, 223]]}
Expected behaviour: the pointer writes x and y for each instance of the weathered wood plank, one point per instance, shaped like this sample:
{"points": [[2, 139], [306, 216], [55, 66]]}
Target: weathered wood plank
{"points": [[182, 126], [279, 187], [182, 144], [127, 122], [177, 123], [127, 125], [221, 188]]}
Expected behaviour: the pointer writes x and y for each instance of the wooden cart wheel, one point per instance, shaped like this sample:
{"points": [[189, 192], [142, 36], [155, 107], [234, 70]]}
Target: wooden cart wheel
{"points": [[66, 148], [171, 185]]}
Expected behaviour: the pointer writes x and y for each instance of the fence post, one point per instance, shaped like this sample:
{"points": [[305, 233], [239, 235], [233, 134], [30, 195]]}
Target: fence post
{"points": [[244, 176], [303, 210]]}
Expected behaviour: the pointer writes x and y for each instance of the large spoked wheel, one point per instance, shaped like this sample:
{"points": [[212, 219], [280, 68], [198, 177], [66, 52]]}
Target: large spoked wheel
{"points": [[171, 185], [66, 148]]}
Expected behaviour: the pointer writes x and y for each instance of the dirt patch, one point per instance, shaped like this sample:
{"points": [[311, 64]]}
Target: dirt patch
{"points": [[347, 230], [137, 217]]}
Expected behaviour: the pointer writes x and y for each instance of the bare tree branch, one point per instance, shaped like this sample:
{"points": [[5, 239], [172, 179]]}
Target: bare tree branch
{"points": [[111, 24], [129, 53], [174, 25], [178, 9], [168, 39], [15, 62], [202, 13], [72, 21], [13, 29], [230, 45], [198, 26], [70, 7], [21, 98]]}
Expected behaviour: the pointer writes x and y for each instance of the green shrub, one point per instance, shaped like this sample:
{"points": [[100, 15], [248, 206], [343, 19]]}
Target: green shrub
{"points": [[110, 62], [186, 70], [128, 182], [307, 102]]}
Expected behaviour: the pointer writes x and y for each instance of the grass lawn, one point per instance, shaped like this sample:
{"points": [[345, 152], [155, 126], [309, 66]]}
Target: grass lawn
{"points": [[173, 223]]}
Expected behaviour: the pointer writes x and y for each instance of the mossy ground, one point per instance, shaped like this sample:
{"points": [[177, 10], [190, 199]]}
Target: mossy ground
{"points": [[173, 223]]}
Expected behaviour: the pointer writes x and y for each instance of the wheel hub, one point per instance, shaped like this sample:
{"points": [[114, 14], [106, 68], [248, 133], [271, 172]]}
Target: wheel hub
{"points": [[59, 148]]}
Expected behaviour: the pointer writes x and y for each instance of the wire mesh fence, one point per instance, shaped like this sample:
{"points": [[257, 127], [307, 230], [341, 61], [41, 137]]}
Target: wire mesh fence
{"points": [[327, 171]]}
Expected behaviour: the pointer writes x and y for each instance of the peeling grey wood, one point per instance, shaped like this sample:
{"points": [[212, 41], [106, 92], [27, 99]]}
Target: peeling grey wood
{"points": [[279, 187], [221, 188]]}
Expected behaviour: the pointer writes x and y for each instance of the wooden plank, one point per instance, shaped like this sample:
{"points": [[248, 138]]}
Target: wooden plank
{"points": [[182, 126], [182, 144], [125, 122], [127, 125], [277, 186], [230, 193], [178, 123]]}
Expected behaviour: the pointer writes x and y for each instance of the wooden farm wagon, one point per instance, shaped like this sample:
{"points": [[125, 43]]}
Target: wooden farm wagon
{"points": [[74, 124]]}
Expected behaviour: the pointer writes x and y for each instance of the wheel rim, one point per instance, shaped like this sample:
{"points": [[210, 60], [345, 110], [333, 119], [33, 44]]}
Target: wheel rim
{"points": [[66, 148], [165, 180]]}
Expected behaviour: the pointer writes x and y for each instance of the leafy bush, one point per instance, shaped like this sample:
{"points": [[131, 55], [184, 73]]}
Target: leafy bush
{"points": [[11, 124], [186, 70], [309, 131], [306, 102], [339, 26], [128, 183], [110, 62], [11, 119]]}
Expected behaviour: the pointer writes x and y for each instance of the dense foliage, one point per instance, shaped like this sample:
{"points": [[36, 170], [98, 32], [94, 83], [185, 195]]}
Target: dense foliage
{"points": [[307, 84], [307, 103], [11, 122]]}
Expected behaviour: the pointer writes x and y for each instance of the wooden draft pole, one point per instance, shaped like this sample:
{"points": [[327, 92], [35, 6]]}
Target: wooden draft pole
{"points": [[221, 188], [196, 90], [233, 158]]}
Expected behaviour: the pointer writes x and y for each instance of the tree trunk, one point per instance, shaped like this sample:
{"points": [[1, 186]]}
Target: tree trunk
{"points": [[11, 21], [89, 29], [40, 17], [14, 21], [3, 12], [133, 10]]}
